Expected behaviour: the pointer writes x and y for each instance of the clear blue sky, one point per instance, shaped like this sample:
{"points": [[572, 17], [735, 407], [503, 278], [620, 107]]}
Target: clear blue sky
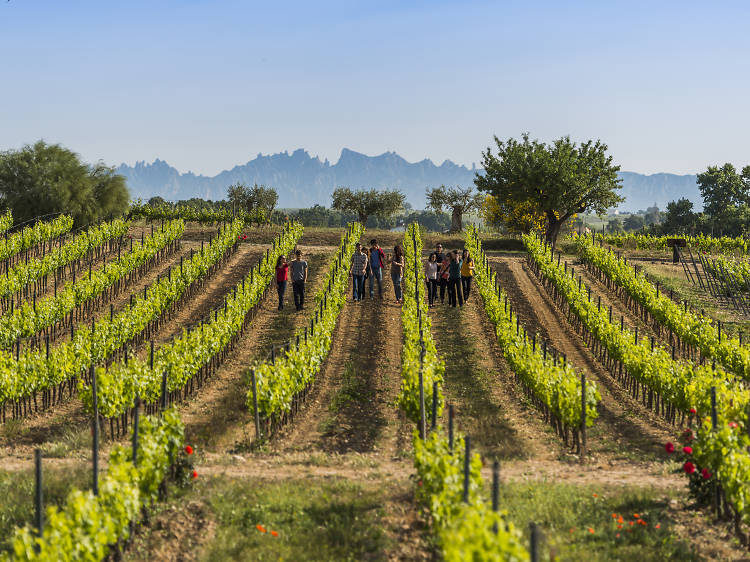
{"points": [[207, 85]]}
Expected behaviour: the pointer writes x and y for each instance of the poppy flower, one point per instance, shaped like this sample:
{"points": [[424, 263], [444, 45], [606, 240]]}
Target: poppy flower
{"points": [[194, 475], [618, 535], [274, 533], [591, 530], [636, 516], [687, 450], [614, 516], [595, 495], [706, 474], [658, 525], [733, 425], [688, 467], [619, 526], [620, 519], [261, 528], [188, 449], [669, 447], [693, 411], [631, 523]]}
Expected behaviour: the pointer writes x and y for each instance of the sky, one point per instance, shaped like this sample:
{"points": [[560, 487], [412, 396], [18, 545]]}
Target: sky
{"points": [[206, 85]]}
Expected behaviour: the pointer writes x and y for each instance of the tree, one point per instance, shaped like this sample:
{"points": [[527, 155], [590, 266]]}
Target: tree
{"points": [[633, 222], [44, 179], [459, 200], [555, 181], [722, 188], [653, 215], [258, 201], [614, 225], [364, 203], [680, 216]]}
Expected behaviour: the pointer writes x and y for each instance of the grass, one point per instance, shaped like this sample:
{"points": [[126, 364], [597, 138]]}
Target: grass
{"points": [[568, 513], [17, 492], [315, 520], [71, 440], [353, 388]]}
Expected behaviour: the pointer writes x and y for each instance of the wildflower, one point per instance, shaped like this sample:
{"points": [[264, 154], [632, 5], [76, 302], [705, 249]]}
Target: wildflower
{"points": [[631, 523], [194, 475], [636, 516], [261, 528], [658, 525], [693, 411], [591, 530], [620, 519], [687, 450], [614, 516], [572, 530], [669, 447], [595, 495], [733, 425], [706, 474], [619, 526], [688, 467], [618, 535], [188, 449], [274, 533]]}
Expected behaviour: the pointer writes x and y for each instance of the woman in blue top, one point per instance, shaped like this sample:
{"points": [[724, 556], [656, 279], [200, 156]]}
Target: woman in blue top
{"points": [[454, 281]]}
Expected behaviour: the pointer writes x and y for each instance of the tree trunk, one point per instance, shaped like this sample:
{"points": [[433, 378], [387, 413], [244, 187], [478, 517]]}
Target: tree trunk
{"points": [[553, 229], [457, 220]]}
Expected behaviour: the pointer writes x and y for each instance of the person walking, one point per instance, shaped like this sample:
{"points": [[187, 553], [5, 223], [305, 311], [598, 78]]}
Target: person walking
{"points": [[454, 280], [397, 271], [377, 262], [431, 268], [442, 279], [467, 272], [358, 269], [282, 270], [299, 278]]}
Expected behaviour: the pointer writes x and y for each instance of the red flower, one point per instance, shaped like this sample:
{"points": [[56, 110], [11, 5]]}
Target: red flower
{"points": [[669, 447], [188, 449], [688, 467], [274, 533], [706, 474], [733, 425], [261, 528], [419, 483], [687, 450], [244, 236], [693, 411], [194, 475]]}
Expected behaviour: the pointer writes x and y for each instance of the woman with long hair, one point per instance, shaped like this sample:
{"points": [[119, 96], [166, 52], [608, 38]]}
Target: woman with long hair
{"points": [[454, 280], [467, 272], [397, 271], [431, 268], [282, 274]]}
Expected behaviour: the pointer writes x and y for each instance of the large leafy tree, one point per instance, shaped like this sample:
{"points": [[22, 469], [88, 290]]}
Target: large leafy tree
{"points": [[368, 202], [43, 179], [722, 188], [459, 200], [680, 217], [555, 181]]}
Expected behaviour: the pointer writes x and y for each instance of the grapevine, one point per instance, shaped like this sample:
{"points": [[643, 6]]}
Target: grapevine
{"points": [[32, 235]]}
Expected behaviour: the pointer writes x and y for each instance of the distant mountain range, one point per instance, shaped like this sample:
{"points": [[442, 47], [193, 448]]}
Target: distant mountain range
{"points": [[303, 181]]}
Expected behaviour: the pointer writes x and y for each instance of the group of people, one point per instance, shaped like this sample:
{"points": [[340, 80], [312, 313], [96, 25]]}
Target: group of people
{"points": [[298, 273], [449, 271], [453, 271]]}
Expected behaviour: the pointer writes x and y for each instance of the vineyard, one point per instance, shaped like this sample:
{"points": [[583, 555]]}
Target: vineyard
{"points": [[157, 404]]}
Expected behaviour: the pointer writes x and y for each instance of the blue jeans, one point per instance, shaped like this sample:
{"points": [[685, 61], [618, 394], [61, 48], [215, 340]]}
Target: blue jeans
{"points": [[281, 287], [397, 285], [358, 282], [376, 274]]}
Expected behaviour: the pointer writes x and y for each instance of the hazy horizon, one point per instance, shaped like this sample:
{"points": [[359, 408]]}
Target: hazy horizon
{"points": [[205, 86]]}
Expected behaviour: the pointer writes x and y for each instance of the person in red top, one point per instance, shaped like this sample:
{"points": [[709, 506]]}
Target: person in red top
{"points": [[282, 274]]}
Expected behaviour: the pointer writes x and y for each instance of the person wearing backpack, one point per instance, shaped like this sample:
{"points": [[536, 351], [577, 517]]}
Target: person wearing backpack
{"points": [[377, 263]]}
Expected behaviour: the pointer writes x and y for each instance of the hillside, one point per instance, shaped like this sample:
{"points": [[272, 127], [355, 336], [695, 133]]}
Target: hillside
{"points": [[303, 180]]}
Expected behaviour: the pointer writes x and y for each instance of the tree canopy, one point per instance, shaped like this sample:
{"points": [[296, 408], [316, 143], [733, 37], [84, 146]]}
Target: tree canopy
{"points": [[553, 181], [258, 200], [46, 178], [459, 200], [365, 203]]}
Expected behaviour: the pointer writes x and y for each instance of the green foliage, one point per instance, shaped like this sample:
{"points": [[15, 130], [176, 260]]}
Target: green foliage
{"points": [[555, 181], [633, 222], [464, 531], [257, 202], [294, 369], [412, 309], [459, 200], [712, 245], [6, 222], [204, 214], [87, 526], [43, 179], [367, 202], [184, 356], [35, 372], [32, 317], [723, 188], [556, 384], [680, 217], [33, 235], [696, 330], [27, 272]]}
